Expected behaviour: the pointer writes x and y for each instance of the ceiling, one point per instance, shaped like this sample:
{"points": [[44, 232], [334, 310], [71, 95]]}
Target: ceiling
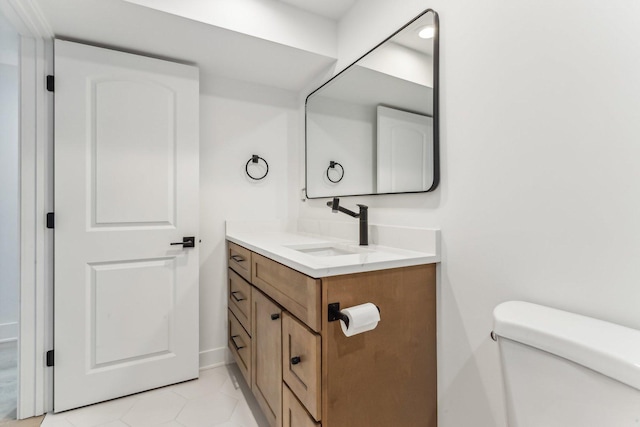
{"points": [[333, 9], [219, 52]]}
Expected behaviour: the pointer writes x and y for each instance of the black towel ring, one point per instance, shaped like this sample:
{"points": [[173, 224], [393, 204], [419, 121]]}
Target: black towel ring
{"points": [[255, 159], [332, 165]]}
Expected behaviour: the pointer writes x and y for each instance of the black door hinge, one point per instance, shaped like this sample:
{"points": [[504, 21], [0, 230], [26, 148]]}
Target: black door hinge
{"points": [[50, 358], [50, 220], [50, 85]]}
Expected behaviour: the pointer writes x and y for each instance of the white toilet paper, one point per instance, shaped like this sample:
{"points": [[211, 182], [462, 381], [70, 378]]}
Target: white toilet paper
{"points": [[362, 318]]}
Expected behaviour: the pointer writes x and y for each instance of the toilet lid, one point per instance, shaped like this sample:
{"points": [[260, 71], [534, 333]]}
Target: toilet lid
{"points": [[610, 349]]}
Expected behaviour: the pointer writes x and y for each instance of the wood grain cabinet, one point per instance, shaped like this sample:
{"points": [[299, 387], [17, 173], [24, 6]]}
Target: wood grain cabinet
{"points": [[240, 346], [305, 372], [301, 363], [240, 299], [240, 260], [293, 413], [266, 382]]}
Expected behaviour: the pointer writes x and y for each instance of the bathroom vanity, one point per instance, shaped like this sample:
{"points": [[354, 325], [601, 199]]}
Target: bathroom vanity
{"points": [[299, 364]]}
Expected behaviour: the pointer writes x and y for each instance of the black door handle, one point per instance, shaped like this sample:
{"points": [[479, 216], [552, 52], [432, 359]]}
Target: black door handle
{"points": [[187, 242], [295, 360]]}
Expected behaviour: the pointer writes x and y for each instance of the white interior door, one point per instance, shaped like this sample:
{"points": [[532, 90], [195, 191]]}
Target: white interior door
{"points": [[405, 151], [126, 186]]}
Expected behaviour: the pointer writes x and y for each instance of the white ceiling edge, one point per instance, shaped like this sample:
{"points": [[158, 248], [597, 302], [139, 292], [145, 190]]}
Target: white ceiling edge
{"points": [[333, 9], [216, 51], [26, 17], [267, 19]]}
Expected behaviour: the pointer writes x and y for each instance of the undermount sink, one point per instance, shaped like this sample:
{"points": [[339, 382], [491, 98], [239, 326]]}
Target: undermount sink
{"points": [[329, 249]]}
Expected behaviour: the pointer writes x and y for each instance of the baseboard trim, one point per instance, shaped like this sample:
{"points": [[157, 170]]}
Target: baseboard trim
{"points": [[215, 357], [8, 332]]}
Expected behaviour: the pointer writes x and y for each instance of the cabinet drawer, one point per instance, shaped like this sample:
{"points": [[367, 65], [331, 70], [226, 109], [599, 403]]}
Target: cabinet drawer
{"points": [[297, 293], [240, 346], [301, 363], [239, 259], [293, 413], [240, 299]]}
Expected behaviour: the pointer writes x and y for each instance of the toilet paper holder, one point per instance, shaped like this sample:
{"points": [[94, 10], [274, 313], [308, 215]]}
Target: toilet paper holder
{"points": [[336, 314]]}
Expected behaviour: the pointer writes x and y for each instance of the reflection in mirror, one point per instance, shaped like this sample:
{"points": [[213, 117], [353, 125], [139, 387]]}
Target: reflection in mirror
{"points": [[378, 119]]}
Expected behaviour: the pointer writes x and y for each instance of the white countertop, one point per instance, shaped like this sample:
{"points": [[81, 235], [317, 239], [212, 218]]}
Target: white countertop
{"points": [[283, 247]]}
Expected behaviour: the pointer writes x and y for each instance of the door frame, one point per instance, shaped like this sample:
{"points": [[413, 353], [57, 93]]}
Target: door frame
{"points": [[35, 380]]}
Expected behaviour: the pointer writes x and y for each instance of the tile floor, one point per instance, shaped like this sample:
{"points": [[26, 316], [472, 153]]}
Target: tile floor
{"points": [[220, 397], [8, 380]]}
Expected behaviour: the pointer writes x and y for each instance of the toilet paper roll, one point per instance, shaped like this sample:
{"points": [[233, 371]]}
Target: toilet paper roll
{"points": [[362, 318]]}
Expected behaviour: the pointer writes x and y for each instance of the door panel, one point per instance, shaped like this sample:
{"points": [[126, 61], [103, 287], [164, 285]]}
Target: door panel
{"points": [[126, 186], [130, 308], [137, 118]]}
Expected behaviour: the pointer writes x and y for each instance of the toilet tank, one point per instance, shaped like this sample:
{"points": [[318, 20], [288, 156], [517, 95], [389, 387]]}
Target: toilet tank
{"points": [[562, 369]]}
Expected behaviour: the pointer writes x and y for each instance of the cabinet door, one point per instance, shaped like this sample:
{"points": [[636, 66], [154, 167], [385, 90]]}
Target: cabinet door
{"points": [[301, 363], [266, 383]]}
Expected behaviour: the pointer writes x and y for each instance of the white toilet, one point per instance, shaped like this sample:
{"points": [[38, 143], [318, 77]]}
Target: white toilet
{"points": [[565, 370]]}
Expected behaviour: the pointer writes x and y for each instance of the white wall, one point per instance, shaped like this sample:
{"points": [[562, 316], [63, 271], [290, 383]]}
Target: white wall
{"points": [[9, 183], [238, 120], [540, 192]]}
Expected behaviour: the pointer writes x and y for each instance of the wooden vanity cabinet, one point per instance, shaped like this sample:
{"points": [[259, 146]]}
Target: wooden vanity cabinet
{"points": [[306, 373], [387, 376]]}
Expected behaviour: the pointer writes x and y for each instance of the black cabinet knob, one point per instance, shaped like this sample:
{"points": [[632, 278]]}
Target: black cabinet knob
{"points": [[275, 316], [295, 360]]}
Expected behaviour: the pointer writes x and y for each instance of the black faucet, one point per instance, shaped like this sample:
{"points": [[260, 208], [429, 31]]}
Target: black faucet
{"points": [[363, 216]]}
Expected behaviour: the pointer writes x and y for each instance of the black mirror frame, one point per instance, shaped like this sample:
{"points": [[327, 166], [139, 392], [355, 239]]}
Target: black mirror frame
{"points": [[436, 109]]}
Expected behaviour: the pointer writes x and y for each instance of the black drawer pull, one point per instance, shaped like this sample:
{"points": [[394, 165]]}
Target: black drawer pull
{"points": [[237, 258], [233, 340], [275, 316], [235, 297], [295, 360]]}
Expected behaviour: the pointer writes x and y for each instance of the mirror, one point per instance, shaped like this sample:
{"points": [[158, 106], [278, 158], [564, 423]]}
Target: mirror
{"points": [[373, 128]]}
